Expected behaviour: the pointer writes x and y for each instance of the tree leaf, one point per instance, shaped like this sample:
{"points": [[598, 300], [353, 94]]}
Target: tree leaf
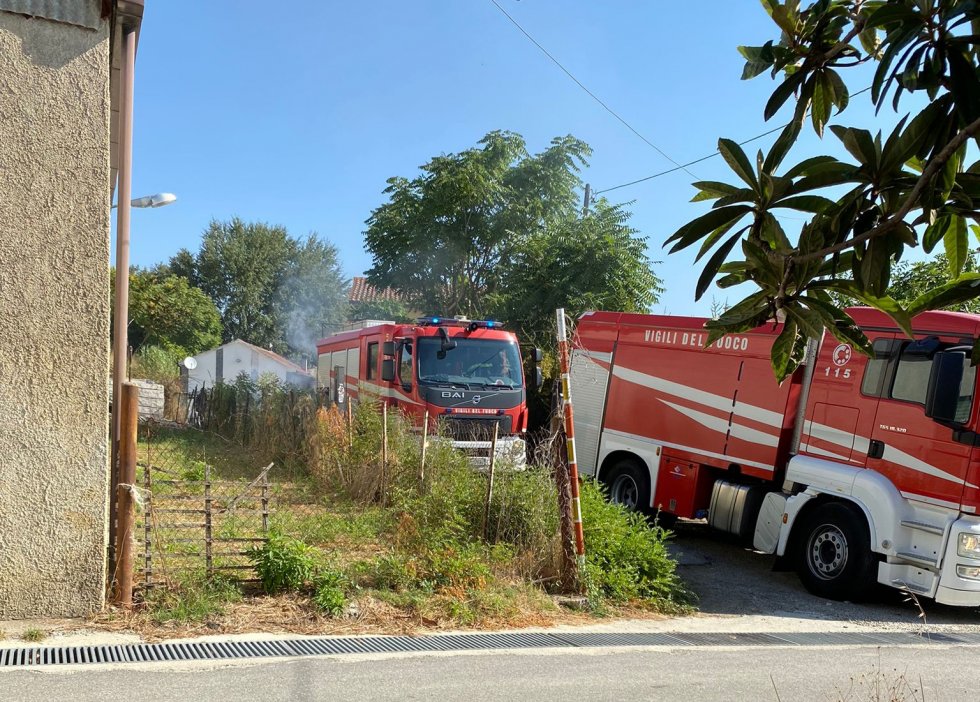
{"points": [[782, 93], [706, 223], [956, 242], [738, 161], [823, 101], [806, 203], [935, 232], [714, 263], [711, 189], [902, 317], [781, 147], [782, 351], [966, 287]]}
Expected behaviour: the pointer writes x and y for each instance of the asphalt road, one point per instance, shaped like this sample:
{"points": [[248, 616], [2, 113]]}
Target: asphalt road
{"points": [[732, 580], [932, 672]]}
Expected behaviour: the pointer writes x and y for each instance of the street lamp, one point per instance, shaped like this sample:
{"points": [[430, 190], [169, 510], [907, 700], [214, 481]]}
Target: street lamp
{"points": [[158, 200]]}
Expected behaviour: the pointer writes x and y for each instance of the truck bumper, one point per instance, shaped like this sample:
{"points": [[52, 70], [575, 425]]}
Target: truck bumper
{"points": [[511, 450], [954, 589]]}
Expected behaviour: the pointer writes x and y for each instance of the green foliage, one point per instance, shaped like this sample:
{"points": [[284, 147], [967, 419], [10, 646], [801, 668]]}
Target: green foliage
{"points": [[284, 563], [167, 312], [441, 236], [194, 599], [626, 558], [329, 595], [394, 310], [861, 214], [272, 289], [579, 263], [33, 635], [155, 363], [913, 280]]}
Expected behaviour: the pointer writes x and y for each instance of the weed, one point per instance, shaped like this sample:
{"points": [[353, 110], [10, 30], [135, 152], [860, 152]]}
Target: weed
{"points": [[626, 558], [34, 635], [194, 599], [284, 563], [330, 594]]}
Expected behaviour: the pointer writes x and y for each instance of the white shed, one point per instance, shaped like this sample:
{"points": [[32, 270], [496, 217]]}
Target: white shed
{"points": [[228, 361]]}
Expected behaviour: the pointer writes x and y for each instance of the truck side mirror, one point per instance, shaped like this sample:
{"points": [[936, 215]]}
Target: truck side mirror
{"points": [[538, 355], [943, 391], [388, 370], [388, 348]]}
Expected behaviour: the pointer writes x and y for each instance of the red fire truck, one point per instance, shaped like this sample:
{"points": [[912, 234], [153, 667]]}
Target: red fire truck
{"points": [[466, 374], [855, 469]]}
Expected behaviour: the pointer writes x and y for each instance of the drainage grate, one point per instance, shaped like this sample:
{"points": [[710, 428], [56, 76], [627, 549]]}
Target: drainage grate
{"points": [[225, 650]]}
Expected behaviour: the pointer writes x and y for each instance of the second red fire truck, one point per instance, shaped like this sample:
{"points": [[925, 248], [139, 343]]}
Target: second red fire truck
{"points": [[856, 469], [466, 374]]}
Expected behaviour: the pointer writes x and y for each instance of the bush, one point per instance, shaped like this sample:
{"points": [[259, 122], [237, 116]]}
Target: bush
{"points": [[196, 598], [626, 558], [284, 563]]}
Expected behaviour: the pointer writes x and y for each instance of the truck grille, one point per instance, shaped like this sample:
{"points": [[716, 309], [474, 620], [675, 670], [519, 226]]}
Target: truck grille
{"points": [[470, 429]]}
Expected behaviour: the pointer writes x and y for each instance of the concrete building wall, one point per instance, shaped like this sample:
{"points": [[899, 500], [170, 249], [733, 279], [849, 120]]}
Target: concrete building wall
{"points": [[237, 358], [54, 315]]}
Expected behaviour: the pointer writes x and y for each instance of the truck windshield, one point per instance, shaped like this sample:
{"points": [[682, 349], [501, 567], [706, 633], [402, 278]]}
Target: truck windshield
{"points": [[479, 362]]}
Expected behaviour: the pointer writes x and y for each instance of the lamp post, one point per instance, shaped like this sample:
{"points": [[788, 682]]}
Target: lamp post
{"points": [[120, 338]]}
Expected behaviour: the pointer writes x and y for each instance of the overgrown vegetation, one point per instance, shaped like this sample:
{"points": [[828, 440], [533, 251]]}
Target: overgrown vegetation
{"points": [[34, 635], [353, 533]]}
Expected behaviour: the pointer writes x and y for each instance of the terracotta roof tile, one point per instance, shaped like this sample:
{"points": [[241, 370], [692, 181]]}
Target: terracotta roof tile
{"points": [[362, 291]]}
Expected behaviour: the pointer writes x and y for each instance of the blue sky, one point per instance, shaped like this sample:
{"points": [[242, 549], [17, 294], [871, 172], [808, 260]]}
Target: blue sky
{"points": [[298, 116]]}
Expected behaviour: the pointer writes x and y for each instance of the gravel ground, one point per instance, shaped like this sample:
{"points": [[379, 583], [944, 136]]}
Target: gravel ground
{"points": [[732, 581]]}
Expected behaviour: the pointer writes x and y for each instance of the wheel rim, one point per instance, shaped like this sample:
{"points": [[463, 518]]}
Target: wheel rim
{"points": [[625, 491], [827, 552]]}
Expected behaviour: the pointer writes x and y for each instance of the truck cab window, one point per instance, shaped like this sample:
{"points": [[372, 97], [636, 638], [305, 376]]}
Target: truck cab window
{"points": [[912, 378], [372, 361], [405, 365], [874, 372]]}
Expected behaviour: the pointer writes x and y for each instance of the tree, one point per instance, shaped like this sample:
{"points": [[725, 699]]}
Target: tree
{"points": [[395, 310], [909, 186], [166, 311], [441, 237], [912, 280], [587, 263], [271, 289]]}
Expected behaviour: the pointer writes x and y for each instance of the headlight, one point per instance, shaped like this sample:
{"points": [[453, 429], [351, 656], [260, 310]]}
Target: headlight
{"points": [[969, 572], [969, 545]]}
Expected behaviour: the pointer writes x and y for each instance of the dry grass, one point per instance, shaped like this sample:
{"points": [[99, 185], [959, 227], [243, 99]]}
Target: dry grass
{"points": [[293, 614]]}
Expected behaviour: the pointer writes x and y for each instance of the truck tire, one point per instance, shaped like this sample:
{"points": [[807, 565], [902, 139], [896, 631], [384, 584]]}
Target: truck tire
{"points": [[629, 486], [834, 558]]}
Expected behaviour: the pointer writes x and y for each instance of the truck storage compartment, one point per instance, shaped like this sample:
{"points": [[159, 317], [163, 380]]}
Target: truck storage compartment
{"points": [[734, 507]]}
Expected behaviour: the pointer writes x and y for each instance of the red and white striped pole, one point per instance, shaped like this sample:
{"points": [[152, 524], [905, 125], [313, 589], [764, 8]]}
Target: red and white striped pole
{"points": [[566, 396]]}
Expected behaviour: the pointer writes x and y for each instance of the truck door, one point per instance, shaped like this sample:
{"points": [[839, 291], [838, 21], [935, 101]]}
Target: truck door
{"points": [[920, 455], [843, 401]]}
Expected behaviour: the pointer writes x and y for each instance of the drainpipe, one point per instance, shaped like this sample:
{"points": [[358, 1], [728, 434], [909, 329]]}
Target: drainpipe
{"points": [[121, 312]]}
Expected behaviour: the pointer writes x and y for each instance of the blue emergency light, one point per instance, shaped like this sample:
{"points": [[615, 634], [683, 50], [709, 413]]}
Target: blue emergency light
{"points": [[471, 324]]}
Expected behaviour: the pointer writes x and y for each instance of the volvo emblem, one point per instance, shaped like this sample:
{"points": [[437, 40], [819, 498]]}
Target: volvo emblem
{"points": [[476, 399]]}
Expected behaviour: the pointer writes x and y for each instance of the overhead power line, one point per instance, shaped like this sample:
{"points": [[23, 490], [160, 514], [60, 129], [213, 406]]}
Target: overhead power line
{"points": [[680, 166], [703, 158]]}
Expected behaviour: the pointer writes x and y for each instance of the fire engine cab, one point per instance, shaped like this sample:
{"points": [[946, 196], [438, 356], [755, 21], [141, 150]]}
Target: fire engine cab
{"points": [[856, 469], [467, 374]]}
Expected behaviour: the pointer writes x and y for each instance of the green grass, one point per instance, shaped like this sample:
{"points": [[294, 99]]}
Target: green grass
{"points": [[34, 635], [193, 599], [183, 453]]}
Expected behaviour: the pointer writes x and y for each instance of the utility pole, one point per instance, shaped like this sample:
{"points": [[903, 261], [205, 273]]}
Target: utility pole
{"points": [[587, 201]]}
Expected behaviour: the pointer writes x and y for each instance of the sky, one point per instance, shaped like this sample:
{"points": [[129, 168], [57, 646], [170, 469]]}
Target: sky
{"points": [[296, 114]]}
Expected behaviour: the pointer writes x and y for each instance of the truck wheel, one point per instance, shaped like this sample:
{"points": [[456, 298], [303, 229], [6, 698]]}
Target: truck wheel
{"points": [[834, 558], [629, 486]]}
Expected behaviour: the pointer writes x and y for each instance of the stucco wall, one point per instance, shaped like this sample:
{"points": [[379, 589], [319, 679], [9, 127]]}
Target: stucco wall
{"points": [[54, 316]]}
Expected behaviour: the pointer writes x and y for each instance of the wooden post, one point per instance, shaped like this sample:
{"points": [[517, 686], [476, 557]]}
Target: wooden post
{"points": [[125, 503], [425, 443], [493, 462], [208, 563], [350, 425], [384, 450]]}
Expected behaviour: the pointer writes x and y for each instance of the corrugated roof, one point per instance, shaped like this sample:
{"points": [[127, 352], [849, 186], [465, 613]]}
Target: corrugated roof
{"points": [[362, 291], [81, 13]]}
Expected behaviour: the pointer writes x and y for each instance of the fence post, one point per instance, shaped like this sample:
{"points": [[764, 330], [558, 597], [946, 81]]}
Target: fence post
{"points": [[209, 566], [147, 527], [425, 443], [493, 461], [350, 425], [265, 505], [124, 502], [570, 458]]}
